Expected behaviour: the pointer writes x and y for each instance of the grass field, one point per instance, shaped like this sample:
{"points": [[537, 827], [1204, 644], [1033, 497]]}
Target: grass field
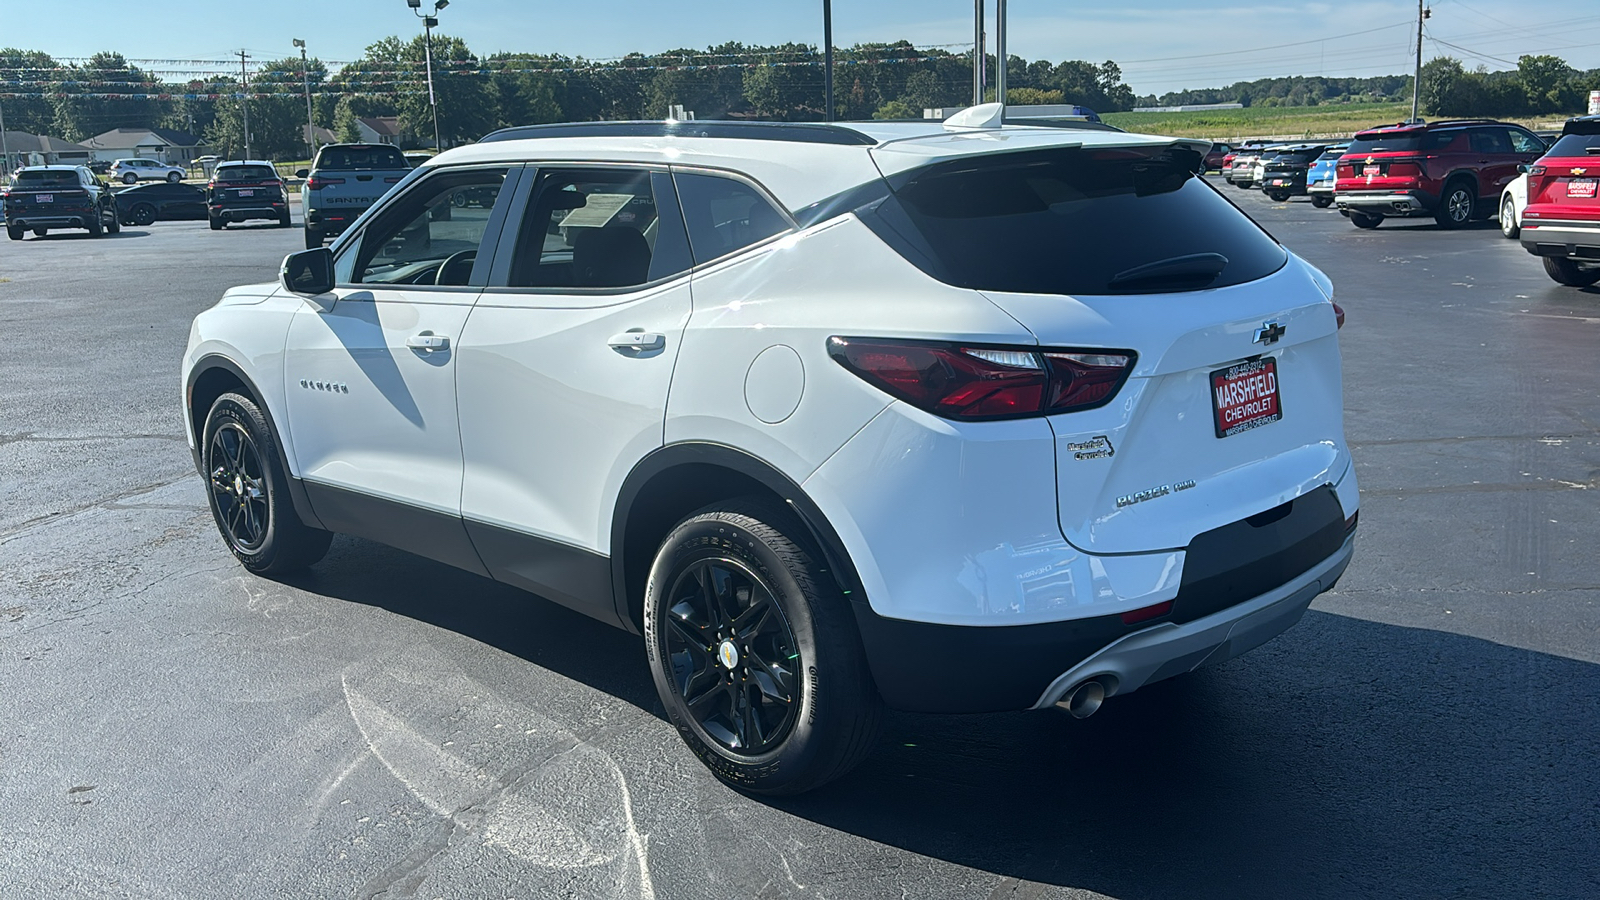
{"points": [[1283, 122]]}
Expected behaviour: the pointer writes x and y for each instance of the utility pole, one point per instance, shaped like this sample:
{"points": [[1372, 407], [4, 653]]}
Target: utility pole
{"points": [[827, 56], [977, 52], [1000, 51], [244, 101], [1416, 80], [305, 78]]}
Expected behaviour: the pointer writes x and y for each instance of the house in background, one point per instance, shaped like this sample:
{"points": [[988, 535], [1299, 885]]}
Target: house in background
{"points": [[175, 148], [322, 135], [24, 149], [379, 129]]}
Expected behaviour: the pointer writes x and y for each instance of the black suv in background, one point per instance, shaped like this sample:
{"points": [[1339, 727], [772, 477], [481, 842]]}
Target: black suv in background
{"points": [[244, 190], [1284, 175], [343, 181], [44, 197]]}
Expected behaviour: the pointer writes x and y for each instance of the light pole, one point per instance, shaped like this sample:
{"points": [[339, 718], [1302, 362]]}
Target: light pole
{"points": [[428, 23], [305, 79], [827, 57]]}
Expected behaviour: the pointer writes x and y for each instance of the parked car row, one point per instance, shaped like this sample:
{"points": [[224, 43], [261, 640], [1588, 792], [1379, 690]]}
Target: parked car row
{"points": [[42, 198]]}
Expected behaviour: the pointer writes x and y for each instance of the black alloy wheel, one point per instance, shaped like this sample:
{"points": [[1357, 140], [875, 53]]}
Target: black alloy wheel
{"points": [[238, 488], [754, 651], [733, 656], [143, 214], [1455, 207]]}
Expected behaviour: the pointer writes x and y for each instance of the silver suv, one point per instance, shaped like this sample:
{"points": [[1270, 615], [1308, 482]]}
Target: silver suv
{"points": [[132, 171]]}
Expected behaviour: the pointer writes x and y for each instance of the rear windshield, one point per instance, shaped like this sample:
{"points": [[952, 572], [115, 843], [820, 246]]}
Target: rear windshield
{"points": [[1073, 221], [376, 157], [47, 177], [1576, 145], [247, 173], [1400, 141], [1300, 156], [1333, 153]]}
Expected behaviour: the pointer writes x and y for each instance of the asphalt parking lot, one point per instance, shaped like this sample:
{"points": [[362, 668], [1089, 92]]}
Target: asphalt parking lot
{"points": [[171, 726]]}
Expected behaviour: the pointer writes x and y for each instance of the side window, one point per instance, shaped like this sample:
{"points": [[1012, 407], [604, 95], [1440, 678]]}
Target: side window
{"points": [[1490, 140], [725, 215], [599, 228], [431, 235], [1523, 142]]}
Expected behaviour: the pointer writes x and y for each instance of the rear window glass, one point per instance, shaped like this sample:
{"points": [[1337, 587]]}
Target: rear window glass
{"points": [[1331, 154], [1401, 141], [376, 157], [47, 176], [1576, 145], [1302, 156], [1071, 221], [247, 173]]}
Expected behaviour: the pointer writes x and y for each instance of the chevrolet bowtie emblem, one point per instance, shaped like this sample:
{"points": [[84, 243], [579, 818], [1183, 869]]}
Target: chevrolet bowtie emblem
{"points": [[1579, 170], [1269, 333]]}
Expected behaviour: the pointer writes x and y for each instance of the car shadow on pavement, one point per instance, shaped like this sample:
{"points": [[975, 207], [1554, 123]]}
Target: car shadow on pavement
{"points": [[1344, 759]]}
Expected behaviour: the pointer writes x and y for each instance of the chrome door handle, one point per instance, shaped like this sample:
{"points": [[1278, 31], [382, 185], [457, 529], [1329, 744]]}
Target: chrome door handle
{"points": [[639, 341], [428, 342]]}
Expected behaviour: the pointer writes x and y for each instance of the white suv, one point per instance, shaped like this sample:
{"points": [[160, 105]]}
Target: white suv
{"points": [[131, 171], [952, 418]]}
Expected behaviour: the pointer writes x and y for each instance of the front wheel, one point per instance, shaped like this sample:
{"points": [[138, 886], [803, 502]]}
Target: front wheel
{"points": [[1365, 220], [1508, 218], [249, 492], [1569, 273], [144, 214], [113, 223], [754, 652], [1321, 201]]}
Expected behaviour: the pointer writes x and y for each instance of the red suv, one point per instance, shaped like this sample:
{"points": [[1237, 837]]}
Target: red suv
{"points": [[1453, 171], [1562, 222]]}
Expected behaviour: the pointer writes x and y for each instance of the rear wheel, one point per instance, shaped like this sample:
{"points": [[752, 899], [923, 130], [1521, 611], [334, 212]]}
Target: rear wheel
{"points": [[143, 214], [1242, 184], [130, 178], [1569, 273], [216, 223], [173, 178], [1365, 220], [1508, 218], [248, 492], [1279, 197], [754, 651], [1321, 201], [1455, 207], [283, 220], [313, 238], [94, 226], [40, 232]]}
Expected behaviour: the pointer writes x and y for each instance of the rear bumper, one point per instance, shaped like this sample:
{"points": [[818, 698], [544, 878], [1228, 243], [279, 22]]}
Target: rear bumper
{"points": [[68, 220], [1561, 238], [243, 213], [331, 221], [1388, 203]]}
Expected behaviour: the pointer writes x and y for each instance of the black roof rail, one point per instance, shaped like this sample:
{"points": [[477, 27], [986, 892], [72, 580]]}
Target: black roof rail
{"points": [[797, 132]]}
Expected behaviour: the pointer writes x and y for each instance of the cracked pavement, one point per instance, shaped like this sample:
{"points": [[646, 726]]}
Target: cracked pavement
{"points": [[383, 726]]}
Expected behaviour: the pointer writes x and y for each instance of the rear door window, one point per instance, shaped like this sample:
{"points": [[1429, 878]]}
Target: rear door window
{"points": [[1491, 140], [725, 215], [599, 228], [1073, 221]]}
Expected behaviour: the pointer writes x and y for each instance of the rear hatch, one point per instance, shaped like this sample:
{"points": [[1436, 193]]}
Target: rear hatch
{"points": [[1389, 159], [1563, 184], [46, 192], [245, 186], [1233, 403], [355, 176]]}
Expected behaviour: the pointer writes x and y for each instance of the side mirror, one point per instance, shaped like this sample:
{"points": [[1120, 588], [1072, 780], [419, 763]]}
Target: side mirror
{"points": [[309, 272], [302, 173]]}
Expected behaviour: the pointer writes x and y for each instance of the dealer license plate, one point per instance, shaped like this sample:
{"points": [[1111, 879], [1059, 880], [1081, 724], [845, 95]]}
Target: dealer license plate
{"points": [[1245, 396], [1277, 181], [247, 193], [1371, 171], [45, 198], [1580, 187]]}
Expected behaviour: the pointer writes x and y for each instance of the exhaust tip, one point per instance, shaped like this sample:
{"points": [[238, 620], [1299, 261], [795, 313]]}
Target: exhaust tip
{"points": [[1082, 701]]}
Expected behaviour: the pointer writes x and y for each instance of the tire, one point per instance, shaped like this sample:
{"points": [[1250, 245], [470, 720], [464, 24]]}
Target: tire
{"points": [[113, 224], [1456, 205], [143, 214], [130, 178], [1321, 201], [94, 225], [283, 220], [248, 491], [1242, 184], [1365, 220], [813, 719], [173, 178], [313, 239], [1279, 197], [14, 232], [216, 223], [1567, 272], [1508, 219], [40, 232]]}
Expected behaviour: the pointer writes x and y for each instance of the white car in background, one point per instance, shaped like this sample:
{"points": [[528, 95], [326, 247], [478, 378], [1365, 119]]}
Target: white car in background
{"points": [[133, 171], [948, 417], [1513, 200]]}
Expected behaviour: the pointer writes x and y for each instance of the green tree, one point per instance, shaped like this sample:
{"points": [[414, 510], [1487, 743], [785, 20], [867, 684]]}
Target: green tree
{"points": [[461, 87], [29, 76], [105, 93], [1546, 81], [345, 126]]}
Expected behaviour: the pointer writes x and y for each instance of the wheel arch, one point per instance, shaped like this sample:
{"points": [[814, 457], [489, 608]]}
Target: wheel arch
{"points": [[1470, 177], [214, 375], [678, 479]]}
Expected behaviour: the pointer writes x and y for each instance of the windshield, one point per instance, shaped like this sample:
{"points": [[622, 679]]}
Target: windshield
{"points": [[373, 157], [1073, 221], [50, 177], [247, 173]]}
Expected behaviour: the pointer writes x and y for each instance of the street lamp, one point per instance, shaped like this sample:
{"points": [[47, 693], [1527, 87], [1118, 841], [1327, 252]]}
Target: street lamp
{"points": [[428, 24], [305, 78]]}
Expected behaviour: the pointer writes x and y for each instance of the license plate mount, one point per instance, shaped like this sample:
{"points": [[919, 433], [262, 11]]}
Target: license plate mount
{"points": [[1581, 187], [1244, 396]]}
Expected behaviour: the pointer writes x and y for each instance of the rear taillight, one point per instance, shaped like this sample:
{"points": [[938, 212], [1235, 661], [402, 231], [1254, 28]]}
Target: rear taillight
{"points": [[966, 382], [1338, 315], [1536, 170], [317, 182]]}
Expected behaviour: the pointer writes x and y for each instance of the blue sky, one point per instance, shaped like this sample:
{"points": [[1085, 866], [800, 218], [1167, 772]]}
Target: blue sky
{"points": [[1162, 45]]}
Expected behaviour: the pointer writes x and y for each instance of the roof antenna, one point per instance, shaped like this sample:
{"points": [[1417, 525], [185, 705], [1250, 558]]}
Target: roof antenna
{"points": [[985, 115]]}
